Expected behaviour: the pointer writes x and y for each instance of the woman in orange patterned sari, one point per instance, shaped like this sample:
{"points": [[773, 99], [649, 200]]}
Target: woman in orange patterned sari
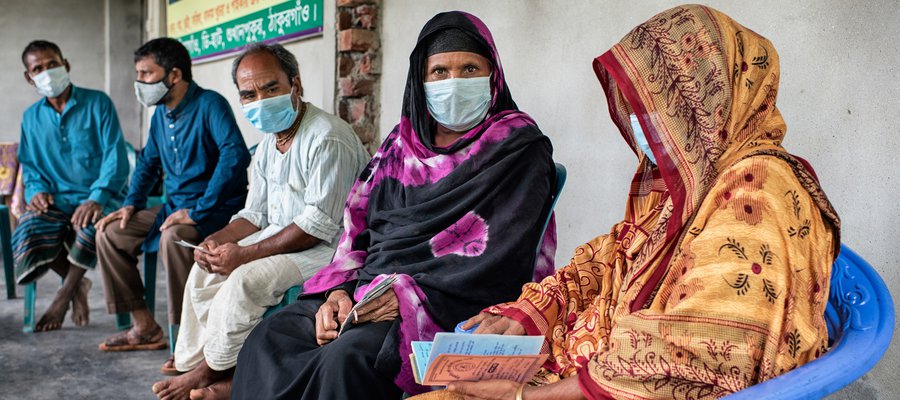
{"points": [[718, 276]]}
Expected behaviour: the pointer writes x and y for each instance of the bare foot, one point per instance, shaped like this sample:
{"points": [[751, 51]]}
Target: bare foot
{"points": [[179, 388], [168, 367], [55, 315], [80, 309], [220, 390]]}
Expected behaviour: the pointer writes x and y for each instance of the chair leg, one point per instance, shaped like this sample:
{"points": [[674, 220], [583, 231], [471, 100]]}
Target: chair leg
{"points": [[30, 294], [123, 321], [150, 281], [6, 249], [173, 337]]}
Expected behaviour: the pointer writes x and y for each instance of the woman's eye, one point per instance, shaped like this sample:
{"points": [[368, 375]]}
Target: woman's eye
{"points": [[471, 68]]}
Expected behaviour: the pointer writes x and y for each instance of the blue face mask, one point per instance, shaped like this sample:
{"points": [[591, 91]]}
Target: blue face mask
{"points": [[271, 115], [459, 103], [641, 139]]}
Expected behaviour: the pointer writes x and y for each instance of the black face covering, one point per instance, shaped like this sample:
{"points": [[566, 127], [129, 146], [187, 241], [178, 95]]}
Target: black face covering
{"points": [[453, 39]]}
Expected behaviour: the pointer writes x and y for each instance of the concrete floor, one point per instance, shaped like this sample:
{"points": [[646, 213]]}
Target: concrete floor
{"points": [[66, 364]]}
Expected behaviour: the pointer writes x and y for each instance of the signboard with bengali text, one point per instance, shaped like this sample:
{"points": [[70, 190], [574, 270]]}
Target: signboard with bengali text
{"points": [[210, 29]]}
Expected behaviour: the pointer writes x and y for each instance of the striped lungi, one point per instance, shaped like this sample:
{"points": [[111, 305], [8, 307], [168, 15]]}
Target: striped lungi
{"points": [[39, 239]]}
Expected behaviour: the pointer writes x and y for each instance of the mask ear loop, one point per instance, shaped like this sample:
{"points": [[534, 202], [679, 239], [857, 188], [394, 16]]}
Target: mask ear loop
{"points": [[163, 80], [299, 102]]}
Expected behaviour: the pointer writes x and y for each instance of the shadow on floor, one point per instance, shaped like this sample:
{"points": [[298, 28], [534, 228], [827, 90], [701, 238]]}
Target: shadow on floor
{"points": [[66, 364]]}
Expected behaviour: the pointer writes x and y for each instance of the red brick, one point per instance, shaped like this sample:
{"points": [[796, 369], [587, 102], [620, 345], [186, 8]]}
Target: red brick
{"points": [[344, 20], [373, 63], [344, 110], [357, 40], [345, 65], [351, 87], [357, 110], [365, 64], [345, 86]]}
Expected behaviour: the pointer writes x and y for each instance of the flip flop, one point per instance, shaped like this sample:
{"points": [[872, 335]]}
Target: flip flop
{"points": [[170, 371], [131, 341]]}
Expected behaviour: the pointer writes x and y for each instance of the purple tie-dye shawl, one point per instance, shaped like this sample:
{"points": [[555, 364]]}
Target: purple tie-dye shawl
{"points": [[459, 225]]}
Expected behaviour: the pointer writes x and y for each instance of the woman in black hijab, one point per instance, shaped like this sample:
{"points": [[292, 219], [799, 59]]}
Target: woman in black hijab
{"points": [[453, 206]]}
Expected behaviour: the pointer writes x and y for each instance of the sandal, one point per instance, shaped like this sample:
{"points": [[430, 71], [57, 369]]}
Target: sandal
{"points": [[131, 341], [168, 367]]}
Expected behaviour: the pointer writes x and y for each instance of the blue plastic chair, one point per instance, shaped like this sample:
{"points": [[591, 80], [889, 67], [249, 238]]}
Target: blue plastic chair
{"points": [[560, 183], [860, 319]]}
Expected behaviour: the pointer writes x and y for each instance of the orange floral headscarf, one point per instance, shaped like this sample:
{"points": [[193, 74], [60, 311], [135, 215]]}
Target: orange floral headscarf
{"points": [[704, 90]]}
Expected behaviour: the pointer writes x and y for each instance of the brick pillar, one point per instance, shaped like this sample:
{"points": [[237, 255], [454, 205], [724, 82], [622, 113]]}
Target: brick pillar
{"points": [[359, 67]]}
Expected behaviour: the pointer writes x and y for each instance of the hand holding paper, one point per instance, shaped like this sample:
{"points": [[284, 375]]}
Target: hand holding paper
{"points": [[182, 243], [381, 309], [466, 357], [334, 310]]}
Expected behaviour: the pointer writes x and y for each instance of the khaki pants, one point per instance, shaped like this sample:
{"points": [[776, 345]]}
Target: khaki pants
{"points": [[220, 311], [117, 254]]}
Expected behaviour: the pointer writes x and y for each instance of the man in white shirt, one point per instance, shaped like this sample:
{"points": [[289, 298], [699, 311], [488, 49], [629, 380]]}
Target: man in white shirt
{"points": [[301, 175]]}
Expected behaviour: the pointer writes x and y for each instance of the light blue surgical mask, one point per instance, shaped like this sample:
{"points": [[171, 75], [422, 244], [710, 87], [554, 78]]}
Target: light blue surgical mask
{"points": [[459, 103], [271, 115], [641, 139]]}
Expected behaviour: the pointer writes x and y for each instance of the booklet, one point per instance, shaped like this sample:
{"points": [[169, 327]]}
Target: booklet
{"points": [[466, 357], [372, 294]]}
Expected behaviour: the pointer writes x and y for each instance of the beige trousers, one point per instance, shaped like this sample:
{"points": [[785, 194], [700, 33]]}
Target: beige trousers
{"points": [[220, 311]]}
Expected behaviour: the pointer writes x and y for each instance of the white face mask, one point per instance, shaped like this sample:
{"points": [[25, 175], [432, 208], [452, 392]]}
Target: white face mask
{"points": [[150, 94], [459, 103], [641, 139], [52, 82]]}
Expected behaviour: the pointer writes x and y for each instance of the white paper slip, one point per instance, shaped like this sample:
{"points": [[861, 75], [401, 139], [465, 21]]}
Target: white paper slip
{"points": [[182, 243], [372, 294]]}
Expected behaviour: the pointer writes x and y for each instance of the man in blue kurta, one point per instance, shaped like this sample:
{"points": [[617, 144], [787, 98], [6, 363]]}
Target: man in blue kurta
{"points": [[196, 147], [73, 167]]}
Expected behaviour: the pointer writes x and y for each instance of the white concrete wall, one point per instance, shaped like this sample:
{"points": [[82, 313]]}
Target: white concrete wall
{"points": [[840, 91], [81, 29]]}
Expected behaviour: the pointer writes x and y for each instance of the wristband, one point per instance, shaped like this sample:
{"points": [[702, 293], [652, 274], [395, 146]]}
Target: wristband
{"points": [[520, 392]]}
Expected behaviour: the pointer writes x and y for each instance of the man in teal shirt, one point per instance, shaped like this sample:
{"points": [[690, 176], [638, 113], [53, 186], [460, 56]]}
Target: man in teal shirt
{"points": [[74, 167]]}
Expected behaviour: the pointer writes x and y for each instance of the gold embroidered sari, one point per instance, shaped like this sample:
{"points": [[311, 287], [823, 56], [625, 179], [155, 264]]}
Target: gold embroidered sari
{"points": [[718, 276]]}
